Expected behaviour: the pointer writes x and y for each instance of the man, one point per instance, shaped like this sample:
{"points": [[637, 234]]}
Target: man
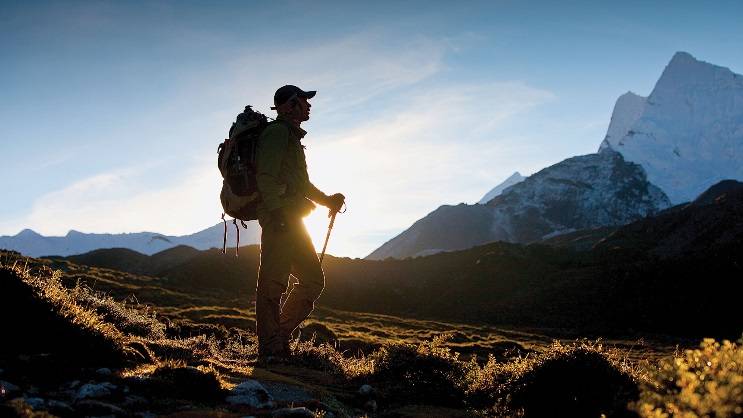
{"points": [[287, 196]]}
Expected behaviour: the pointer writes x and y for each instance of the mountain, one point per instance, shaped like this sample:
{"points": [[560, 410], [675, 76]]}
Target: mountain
{"points": [[685, 260], [578, 193], [124, 259], [33, 244], [688, 133], [684, 137], [497, 190]]}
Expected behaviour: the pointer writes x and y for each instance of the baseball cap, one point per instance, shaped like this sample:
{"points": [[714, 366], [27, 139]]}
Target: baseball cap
{"points": [[287, 92]]}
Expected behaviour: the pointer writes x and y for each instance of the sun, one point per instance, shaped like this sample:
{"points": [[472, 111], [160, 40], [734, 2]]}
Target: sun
{"points": [[317, 226]]}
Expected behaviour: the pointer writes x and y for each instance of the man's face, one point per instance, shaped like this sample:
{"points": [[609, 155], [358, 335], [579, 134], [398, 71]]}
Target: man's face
{"points": [[302, 111], [298, 112]]}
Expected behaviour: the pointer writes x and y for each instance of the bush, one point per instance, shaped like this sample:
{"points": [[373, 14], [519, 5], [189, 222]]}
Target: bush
{"points": [[427, 373], [707, 381]]}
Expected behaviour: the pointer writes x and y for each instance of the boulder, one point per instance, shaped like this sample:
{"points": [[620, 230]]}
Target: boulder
{"points": [[251, 393], [95, 390]]}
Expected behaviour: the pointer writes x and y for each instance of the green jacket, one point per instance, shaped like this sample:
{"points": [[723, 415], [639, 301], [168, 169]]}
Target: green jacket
{"points": [[282, 171]]}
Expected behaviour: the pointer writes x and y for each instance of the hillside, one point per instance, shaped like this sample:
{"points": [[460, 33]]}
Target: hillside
{"points": [[189, 351], [641, 271]]}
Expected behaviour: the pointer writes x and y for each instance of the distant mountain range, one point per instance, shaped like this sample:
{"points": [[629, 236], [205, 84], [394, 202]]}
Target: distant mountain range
{"points": [[661, 150], [33, 244]]}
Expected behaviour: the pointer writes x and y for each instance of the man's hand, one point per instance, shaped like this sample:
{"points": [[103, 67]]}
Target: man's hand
{"points": [[335, 203], [278, 220]]}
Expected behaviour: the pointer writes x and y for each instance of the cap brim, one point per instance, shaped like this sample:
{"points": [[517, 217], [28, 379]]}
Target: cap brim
{"points": [[307, 94]]}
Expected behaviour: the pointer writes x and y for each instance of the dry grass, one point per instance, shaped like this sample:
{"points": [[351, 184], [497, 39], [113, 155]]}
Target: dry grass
{"points": [[183, 347]]}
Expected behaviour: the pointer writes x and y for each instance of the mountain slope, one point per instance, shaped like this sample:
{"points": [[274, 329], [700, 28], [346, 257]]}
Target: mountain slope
{"points": [[581, 192], [497, 190]]}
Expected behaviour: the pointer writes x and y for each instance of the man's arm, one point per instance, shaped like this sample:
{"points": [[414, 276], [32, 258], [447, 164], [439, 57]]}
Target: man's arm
{"points": [[315, 194], [271, 150]]}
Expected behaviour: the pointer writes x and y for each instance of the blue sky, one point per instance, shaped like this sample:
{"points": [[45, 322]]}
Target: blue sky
{"points": [[110, 112]]}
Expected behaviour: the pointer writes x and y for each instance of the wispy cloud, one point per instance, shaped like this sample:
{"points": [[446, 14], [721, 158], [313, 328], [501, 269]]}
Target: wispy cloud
{"points": [[420, 147], [422, 153], [126, 201]]}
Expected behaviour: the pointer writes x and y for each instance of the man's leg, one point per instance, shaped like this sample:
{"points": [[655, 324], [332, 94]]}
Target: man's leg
{"points": [[275, 264], [306, 268]]}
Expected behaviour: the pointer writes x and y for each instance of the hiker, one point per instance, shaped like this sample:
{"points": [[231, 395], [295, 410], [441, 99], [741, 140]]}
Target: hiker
{"points": [[286, 248]]}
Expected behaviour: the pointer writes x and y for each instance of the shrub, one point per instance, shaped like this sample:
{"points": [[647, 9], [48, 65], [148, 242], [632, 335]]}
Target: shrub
{"points": [[426, 373], [707, 381], [581, 379]]}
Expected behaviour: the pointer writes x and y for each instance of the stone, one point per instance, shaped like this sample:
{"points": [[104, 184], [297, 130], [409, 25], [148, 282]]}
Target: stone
{"points": [[371, 405], [104, 371], [299, 412], [8, 389], [251, 393], [135, 400], [283, 392], [88, 407], [35, 403], [95, 390], [59, 408], [366, 390]]}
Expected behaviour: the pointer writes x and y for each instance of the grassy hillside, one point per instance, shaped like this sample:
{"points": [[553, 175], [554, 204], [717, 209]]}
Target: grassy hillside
{"points": [[187, 351]]}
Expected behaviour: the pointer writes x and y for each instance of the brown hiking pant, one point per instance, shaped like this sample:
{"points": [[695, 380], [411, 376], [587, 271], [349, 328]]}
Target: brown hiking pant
{"points": [[283, 253]]}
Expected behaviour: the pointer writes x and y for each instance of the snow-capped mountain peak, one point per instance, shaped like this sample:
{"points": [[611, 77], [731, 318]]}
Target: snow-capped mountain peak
{"points": [[627, 110], [497, 190], [688, 134]]}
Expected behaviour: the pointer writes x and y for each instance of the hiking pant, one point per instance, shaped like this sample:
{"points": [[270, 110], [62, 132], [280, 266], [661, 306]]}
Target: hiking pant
{"points": [[283, 253]]}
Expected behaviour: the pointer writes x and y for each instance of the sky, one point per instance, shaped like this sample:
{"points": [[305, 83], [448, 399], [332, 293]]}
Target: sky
{"points": [[111, 111]]}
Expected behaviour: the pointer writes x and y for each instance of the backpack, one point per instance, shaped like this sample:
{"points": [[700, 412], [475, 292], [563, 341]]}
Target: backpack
{"points": [[236, 163]]}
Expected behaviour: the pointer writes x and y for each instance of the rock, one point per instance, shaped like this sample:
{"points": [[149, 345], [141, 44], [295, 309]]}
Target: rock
{"points": [[300, 412], [366, 391], [371, 405], [288, 393], [105, 371], [135, 400], [92, 407], [59, 408], [251, 393], [95, 390], [35, 403], [73, 384], [8, 389]]}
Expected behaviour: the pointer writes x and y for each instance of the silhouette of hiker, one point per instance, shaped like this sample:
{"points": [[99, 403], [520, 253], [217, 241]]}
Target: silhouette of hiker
{"points": [[286, 248]]}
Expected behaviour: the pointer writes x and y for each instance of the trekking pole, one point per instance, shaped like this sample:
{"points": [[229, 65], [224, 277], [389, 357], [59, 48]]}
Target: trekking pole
{"points": [[327, 237]]}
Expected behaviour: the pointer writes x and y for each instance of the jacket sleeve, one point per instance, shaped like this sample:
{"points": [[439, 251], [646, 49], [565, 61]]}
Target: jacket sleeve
{"points": [[271, 150], [315, 195]]}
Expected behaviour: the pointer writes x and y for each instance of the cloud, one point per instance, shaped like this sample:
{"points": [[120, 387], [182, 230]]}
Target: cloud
{"points": [[126, 201], [430, 149], [384, 131]]}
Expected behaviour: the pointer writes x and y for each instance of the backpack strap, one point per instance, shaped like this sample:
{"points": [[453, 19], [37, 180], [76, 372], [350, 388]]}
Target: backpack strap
{"points": [[224, 238], [237, 229]]}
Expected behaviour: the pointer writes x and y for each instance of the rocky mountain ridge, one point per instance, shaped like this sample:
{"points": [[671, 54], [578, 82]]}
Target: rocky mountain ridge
{"points": [[33, 244]]}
